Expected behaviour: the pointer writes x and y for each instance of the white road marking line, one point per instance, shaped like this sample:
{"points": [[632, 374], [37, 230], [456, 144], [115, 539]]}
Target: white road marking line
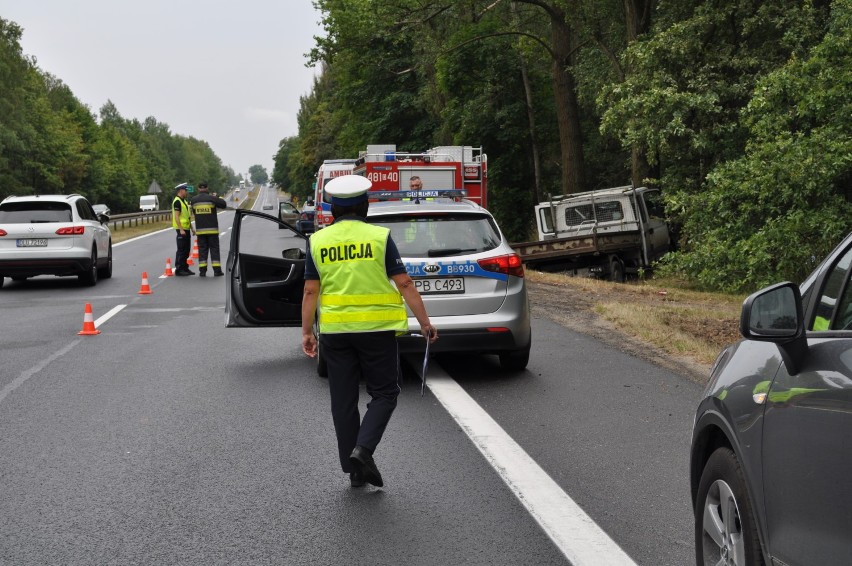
{"points": [[115, 245], [114, 311], [576, 534], [25, 375]]}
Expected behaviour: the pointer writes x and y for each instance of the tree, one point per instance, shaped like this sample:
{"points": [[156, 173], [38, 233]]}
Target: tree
{"points": [[258, 174], [792, 182]]}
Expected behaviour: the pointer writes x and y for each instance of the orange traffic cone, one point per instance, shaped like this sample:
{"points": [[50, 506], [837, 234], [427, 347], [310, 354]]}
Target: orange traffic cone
{"points": [[195, 249], [168, 272], [145, 289], [88, 323]]}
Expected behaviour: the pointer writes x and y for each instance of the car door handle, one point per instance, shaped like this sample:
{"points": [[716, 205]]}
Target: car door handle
{"points": [[275, 283]]}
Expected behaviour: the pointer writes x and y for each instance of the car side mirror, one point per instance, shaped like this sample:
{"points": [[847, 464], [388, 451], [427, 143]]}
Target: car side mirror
{"points": [[774, 314], [103, 218], [293, 253]]}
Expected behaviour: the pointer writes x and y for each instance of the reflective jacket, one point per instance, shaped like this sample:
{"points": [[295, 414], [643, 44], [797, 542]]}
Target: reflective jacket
{"points": [[184, 214], [355, 293], [204, 207]]}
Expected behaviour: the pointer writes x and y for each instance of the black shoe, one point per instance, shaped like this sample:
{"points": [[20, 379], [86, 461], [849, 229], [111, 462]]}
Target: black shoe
{"points": [[202, 273], [356, 480], [366, 466], [181, 273], [219, 273]]}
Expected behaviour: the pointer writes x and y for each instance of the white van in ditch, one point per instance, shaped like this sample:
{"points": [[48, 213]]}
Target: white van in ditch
{"points": [[149, 202]]}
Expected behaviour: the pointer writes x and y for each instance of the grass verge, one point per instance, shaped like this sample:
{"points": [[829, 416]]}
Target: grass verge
{"points": [[663, 313]]}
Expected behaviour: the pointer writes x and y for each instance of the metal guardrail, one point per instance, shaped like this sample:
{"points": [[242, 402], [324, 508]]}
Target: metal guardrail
{"points": [[138, 218], [151, 216]]}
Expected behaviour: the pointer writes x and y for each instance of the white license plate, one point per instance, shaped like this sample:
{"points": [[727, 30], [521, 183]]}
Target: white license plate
{"points": [[444, 285], [32, 243]]}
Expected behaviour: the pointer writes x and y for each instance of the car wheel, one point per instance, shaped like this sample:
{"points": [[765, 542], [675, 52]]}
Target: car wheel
{"points": [[516, 360], [90, 276], [725, 529], [616, 270], [106, 271]]}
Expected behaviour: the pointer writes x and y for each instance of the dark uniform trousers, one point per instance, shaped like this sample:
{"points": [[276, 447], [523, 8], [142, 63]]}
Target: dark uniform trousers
{"points": [[349, 356], [208, 242], [182, 249]]}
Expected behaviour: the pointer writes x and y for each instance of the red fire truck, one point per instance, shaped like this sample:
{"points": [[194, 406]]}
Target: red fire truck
{"points": [[457, 167], [440, 168]]}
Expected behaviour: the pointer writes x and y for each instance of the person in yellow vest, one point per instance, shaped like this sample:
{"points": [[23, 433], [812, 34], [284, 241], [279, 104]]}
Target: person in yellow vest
{"points": [[182, 223], [348, 272]]}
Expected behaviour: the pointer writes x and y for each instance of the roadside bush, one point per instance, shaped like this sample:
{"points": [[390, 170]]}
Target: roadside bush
{"points": [[772, 214]]}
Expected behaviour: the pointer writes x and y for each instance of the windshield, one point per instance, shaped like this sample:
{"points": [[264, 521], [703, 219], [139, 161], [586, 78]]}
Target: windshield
{"points": [[31, 212], [441, 235]]}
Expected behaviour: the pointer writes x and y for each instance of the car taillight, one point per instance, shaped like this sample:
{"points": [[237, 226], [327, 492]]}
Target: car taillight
{"points": [[3, 232], [508, 264], [71, 231]]}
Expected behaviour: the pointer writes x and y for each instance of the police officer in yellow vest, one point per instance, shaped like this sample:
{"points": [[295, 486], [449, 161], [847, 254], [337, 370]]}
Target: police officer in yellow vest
{"points": [[182, 223], [348, 271]]}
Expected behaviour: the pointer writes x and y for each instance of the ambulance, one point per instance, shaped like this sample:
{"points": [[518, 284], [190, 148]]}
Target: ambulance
{"points": [[329, 169]]}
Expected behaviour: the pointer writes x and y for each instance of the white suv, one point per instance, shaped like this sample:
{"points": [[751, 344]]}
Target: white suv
{"points": [[53, 235]]}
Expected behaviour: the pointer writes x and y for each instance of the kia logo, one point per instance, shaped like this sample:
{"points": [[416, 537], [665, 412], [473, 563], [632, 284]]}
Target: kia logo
{"points": [[432, 268]]}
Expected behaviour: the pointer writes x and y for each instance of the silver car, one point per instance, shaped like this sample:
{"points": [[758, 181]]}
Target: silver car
{"points": [[471, 280], [53, 235]]}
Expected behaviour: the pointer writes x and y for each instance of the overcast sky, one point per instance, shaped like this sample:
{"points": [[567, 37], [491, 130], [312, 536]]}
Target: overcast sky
{"points": [[230, 73]]}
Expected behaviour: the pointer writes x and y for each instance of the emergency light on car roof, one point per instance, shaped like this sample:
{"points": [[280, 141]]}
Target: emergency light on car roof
{"points": [[454, 194]]}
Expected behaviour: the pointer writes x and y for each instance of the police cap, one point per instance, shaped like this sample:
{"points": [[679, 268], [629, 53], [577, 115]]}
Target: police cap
{"points": [[181, 186], [348, 190]]}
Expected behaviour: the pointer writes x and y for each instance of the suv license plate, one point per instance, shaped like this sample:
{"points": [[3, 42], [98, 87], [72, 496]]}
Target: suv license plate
{"points": [[448, 285], [32, 243]]}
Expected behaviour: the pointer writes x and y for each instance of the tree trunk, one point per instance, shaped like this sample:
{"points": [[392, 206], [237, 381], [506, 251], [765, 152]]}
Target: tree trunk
{"points": [[565, 41], [637, 15], [536, 159]]}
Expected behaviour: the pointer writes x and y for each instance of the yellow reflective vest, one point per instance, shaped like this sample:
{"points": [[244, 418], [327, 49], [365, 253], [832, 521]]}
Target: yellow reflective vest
{"points": [[355, 292], [184, 214]]}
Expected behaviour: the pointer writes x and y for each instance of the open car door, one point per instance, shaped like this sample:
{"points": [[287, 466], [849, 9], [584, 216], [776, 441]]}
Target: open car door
{"points": [[264, 272]]}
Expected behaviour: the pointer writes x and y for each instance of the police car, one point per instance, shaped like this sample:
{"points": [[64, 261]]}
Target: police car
{"points": [[471, 280]]}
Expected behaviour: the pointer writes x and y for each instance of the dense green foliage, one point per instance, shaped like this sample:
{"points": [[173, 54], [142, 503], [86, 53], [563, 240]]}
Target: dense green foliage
{"points": [[51, 143], [738, 109], [258, 174]]}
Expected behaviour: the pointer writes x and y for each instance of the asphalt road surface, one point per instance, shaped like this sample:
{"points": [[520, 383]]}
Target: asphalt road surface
{"points": [[170, 439]]}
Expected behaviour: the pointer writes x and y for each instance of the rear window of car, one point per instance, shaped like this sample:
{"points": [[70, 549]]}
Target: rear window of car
{"points": [[604, 211], [441, 235], [34, 212]]}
